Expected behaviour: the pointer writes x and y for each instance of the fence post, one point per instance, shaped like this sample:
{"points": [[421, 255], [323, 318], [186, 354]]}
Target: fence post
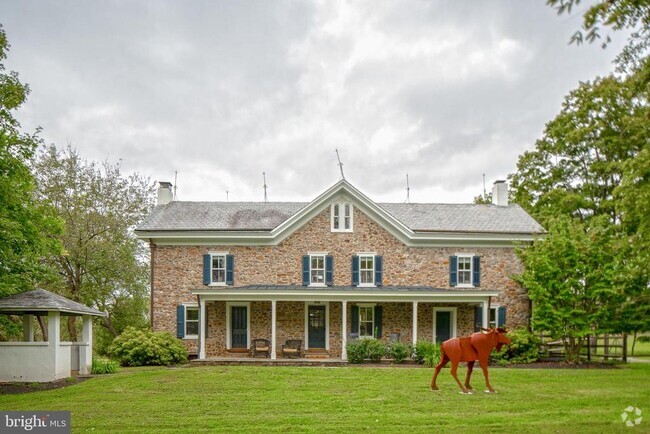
{"points": [[589, 348]]}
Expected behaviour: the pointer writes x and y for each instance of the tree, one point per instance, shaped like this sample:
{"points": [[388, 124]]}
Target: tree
{"points": [[103, 264], [27, 229]]}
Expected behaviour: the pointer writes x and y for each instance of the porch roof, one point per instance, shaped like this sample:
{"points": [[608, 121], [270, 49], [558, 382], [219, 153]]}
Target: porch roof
{"points": [[344, 293]]}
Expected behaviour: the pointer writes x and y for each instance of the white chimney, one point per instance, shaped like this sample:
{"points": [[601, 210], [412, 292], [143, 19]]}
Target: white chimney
{"points": [[165, 194], [500, 193]]}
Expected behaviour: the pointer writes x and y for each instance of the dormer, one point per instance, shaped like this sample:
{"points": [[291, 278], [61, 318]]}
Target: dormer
{"points": [[342, 216]]}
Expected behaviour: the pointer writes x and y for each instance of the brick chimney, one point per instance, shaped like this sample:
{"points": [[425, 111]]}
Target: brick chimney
{"points": [[165, 194], [500, 193]]}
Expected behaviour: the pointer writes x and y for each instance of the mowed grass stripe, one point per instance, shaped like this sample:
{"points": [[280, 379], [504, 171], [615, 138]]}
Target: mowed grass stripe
{"points": [[261, 399]]}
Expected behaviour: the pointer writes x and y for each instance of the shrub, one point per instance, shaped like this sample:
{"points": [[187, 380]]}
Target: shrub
{"points": [[357, 351], [143, 347], [103, 366], [426, 353], [399, 351], [523, 349], [643, 339], [376, 350]]}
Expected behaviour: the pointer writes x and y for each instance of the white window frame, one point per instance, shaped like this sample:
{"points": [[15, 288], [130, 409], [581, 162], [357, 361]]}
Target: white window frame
{"points": [[452, 318], [370, 306], [469, 256], [341, 216], [327, 322], [495, 309], [225, 268], [374, 267], [324, 256], [193, 306], [229, 323]]}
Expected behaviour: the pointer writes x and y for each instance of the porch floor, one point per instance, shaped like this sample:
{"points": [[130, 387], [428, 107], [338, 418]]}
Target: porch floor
{"points": [[238, 361]]}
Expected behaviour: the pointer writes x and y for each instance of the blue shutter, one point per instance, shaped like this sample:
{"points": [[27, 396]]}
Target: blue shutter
{"points": [[476, 271], [305, 270], [378, 270], [355, 320], [378, 322], [355, 271], [180, 321], [478, 318], [230, 269], [329, 270], [453, 270], [502, 316], [207, 269]]}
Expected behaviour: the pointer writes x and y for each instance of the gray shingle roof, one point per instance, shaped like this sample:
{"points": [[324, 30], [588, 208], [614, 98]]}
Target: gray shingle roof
{"points": [[40, 300], [265, 216]]}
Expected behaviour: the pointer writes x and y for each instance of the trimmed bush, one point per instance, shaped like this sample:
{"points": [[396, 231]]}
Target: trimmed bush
{"points": [[357, 351], [523, 349], [376, 350], [426, 353], [103, 366], [143, 347], [399, 351]]}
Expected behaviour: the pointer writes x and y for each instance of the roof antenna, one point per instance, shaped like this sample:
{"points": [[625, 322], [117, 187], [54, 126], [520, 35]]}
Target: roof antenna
{"points": [[175, 178], [408, 190], [226, 195], [484, 192], [340, 164], [266, 199]]}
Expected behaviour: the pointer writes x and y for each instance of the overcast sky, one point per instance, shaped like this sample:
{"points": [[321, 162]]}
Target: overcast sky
{"points": [[445, 91]]}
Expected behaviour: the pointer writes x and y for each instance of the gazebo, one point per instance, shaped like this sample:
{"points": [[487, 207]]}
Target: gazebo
{"points": [[45, 361]]}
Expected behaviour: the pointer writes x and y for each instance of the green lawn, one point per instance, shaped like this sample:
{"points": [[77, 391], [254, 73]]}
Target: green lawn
{"points": [[641, 349], [260, 399]]}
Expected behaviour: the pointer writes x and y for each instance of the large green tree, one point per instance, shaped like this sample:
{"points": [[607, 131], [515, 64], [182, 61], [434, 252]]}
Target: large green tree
{"points": [[103, 264], [28, 229]]}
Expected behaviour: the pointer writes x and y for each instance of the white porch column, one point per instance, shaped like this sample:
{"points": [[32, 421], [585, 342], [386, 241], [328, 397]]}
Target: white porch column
{"points": [[486, 314], [54, 341], [344, 330], [28, 328], [202, 327], [273, 320], [415, 322], [86, 349]]}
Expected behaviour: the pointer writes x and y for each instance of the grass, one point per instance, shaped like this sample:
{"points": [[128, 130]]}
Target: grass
{"points": [[641, 349], [352, 399]]}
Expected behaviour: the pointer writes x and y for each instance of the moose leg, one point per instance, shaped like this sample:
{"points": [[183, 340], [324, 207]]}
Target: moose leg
{"points": [[470, 366], [443, 361], [484, 365], [454, 373]]}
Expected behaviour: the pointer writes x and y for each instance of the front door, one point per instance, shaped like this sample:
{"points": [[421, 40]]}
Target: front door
{"points": [[239, 327], [443, 325], [316, 329]]}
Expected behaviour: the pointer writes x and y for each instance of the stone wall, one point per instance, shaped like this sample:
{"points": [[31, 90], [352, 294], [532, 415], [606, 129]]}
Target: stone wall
{"points": [[178, 270]]}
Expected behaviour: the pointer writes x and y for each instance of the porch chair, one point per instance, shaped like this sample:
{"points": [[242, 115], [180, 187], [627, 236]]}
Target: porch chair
{"points": [[292, 348], [261, 347]]}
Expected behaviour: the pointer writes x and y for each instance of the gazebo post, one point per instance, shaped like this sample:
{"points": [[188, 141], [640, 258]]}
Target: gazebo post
{"points": [[28, 328], [54, 340], [86, 351]]}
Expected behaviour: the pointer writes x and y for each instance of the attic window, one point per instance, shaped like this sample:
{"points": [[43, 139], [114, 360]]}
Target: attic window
{"points": [[342, 217]]}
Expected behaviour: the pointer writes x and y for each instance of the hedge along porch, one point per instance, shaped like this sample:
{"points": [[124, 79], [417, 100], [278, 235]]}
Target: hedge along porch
{"points": [[53, 359], [407, 311]]}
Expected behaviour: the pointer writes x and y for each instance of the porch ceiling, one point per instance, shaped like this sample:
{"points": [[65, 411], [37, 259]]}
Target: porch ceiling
{"points": [[344, 293]]}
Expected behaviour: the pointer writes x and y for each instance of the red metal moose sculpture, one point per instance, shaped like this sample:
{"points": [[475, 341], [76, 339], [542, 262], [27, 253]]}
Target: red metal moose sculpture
{"points": [[468, 349]]}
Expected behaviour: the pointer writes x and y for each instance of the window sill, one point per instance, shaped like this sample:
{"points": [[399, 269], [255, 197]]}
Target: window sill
{"points": [[317, 285], [218, 284], [191, 337], [348, 231], [367, 285], [465, 285]]}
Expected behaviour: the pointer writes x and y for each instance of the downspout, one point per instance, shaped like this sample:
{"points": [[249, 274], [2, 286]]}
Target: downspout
{"points": [[152, 248]]}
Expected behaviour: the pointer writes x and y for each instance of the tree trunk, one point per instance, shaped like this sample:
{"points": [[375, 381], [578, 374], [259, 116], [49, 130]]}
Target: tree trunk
{"points": [[41, 323], [108, 325], [633, 343]]}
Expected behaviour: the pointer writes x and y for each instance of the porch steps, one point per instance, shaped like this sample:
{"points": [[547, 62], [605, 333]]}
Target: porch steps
{"points": [[317, 353]]}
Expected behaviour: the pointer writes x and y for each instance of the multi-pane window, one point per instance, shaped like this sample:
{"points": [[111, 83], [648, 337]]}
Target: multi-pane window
{"points": [[191, 321], [336, 217], [348, 217], [342, 217], [366, 321], [493, 317], [464, 270], [218, 268], [367, 269], [317, 269]]}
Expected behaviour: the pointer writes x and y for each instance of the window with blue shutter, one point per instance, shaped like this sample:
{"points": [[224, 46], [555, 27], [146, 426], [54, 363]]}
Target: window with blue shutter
{"points": [[355, 271], [378, 270], [207, 268], [230, 269], [502, 316], [329, 270], [476, 271], [478, 318], [180, 321], [378, 321], [453, 270], [305, 270]]}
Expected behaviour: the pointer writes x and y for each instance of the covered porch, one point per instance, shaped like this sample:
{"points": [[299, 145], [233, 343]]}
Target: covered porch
{"points": [[277, 313]]}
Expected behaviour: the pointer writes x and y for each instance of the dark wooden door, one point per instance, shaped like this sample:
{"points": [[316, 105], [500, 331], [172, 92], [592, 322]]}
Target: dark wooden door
{"points": [[443, 326], [316, 324], [239, 327]]}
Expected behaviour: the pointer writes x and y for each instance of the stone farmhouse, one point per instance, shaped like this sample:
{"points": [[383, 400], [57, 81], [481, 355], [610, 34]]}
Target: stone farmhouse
{"points": [[337, 268]]}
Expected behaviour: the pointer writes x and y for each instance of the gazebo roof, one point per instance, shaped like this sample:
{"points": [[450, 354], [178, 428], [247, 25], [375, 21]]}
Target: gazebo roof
{"points": [[41, 301]]}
